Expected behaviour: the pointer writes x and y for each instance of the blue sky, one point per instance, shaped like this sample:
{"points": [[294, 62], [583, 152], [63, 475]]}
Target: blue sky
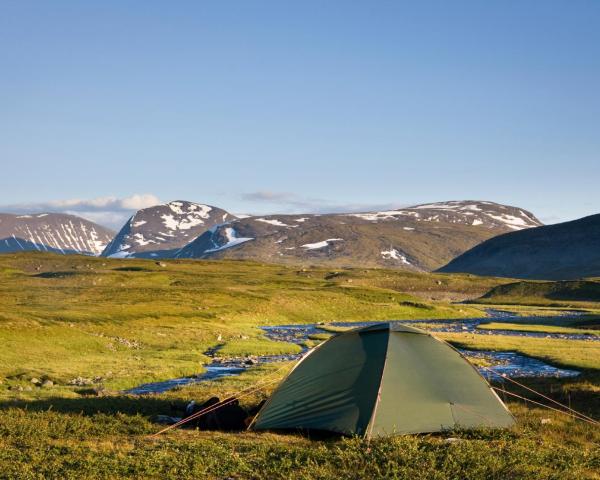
{"points": [[280, 106]]}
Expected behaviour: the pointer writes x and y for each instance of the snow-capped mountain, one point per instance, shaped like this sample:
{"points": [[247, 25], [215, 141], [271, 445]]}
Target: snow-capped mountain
{"points": [[422, 237], [154, 231], [467, 212], [52, 232]]}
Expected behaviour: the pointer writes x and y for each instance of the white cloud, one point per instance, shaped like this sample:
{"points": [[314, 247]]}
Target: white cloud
{"points": [[133, 202], [109, 211], [136, 202], [288, 202], [268, 196]]}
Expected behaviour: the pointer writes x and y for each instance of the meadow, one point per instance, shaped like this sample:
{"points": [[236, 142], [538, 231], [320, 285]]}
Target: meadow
{"points": [[119, 323]]}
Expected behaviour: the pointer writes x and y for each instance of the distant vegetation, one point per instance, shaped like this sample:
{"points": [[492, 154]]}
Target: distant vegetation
{"points": [[544, 293]]}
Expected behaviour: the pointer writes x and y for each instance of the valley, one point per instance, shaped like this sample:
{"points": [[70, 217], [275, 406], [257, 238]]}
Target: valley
{"points": [[79, 330]]}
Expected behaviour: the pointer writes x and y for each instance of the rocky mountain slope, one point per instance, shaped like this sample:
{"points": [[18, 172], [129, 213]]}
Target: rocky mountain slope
{"points": [[554, 252], [422, 237], [157, 231], [52, 232]]}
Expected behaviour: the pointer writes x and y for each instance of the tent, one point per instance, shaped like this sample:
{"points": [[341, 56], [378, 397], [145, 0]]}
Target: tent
{"points": [[382, 380]]}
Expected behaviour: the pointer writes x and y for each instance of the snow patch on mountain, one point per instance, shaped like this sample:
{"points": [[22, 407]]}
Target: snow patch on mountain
{"points": [[166, 227], [139, 239], [393, 254], [54, 232], [459, 212], [186, 215], [322, 244], [232, 240], [516, 223], [275, 222]]}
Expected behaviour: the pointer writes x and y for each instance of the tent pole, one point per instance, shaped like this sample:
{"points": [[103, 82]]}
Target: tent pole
{"points": [[369, 432]]}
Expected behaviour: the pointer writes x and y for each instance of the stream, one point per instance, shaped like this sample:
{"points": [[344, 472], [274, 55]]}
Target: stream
{"points": [[501, 363]]}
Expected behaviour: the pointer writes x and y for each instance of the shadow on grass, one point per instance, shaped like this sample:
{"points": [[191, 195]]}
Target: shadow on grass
{"points": [[133, 269], [110, 405], [580, 395], [58, 274]]}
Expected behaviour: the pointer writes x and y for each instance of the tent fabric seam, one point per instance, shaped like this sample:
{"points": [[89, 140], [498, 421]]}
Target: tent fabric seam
{"points": [[371, 424]]}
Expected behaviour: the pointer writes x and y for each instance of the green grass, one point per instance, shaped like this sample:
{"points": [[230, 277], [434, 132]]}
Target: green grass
{"points": [[521, 327], [578, 354], [64, 317], [85, 437], [574, 293], [131, 321]]}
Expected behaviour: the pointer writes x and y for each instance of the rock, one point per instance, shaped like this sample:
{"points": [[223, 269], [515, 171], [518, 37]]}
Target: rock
{"points": [[166, 419], [80, 381], [439, 282], [27, 389], [251, 361], [453, 440], [161, 264], [35, 381], [101, 391], [546, 421], [47, 383]]}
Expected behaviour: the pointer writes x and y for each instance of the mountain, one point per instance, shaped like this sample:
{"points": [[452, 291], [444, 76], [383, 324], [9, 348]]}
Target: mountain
{"points": [[52, 232], [422, 237], [158, 230], [563, 251]]}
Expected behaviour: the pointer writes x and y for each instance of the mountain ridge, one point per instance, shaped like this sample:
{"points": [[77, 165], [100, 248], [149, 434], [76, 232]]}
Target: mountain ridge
{"points": [[52, 232], [422, 237], [153, 231], [562, 251]]}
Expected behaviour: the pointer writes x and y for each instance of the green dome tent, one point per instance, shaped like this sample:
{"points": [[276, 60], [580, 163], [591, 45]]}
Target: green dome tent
{"points": [[382, 380]]}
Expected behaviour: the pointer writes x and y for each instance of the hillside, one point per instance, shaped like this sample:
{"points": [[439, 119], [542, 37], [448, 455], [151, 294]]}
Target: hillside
{"points": [[422, 237], [52, 232], [587, 291], [154, 231], [563, 251]]}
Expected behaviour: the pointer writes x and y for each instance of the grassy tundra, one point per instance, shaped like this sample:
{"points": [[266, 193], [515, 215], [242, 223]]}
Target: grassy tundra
{"points": [[124, 322]]}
